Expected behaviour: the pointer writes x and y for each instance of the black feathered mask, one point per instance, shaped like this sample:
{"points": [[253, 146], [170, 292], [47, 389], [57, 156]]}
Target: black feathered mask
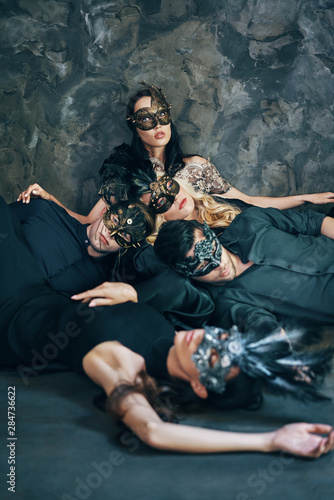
{"points": [[270, 359], [123, 178]]}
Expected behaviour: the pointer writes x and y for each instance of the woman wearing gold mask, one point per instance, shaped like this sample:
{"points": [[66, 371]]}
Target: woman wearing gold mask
{"points": [[155, 138]]}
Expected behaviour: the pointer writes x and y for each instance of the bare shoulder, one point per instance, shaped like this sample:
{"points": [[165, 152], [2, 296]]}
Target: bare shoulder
{"points": [[103, 349], [195, 159]]}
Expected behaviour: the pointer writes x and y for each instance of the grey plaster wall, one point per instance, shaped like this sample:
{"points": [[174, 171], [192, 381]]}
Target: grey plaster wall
{"points": [[251, 83]]}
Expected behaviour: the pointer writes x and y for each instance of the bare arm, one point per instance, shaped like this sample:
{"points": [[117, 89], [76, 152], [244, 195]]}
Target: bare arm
{"points": [[294, 438], [36, 191], [327, 227], [204, 176], [110, 363], [281, 202]]}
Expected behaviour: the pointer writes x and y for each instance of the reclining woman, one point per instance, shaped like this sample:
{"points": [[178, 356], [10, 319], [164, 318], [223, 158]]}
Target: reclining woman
{"points": [[155, 138], [200, 358], [117, 344]]}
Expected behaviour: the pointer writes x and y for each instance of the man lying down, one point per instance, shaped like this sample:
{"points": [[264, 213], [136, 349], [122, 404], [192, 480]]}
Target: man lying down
{"points": [[120, 346]]}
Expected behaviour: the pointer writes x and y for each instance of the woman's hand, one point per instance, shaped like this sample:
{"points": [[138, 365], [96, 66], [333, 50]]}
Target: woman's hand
{"points": [[303, 439], [108, 294], [34, 191], [320, 198]]}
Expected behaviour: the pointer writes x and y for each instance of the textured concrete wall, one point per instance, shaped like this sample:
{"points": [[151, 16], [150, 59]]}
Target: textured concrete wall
{"points": [[251, 83]]}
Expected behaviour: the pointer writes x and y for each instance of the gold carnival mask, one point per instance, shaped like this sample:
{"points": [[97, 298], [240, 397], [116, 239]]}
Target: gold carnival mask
{"points": [[163, 193], [126, 224], [158, 113]]}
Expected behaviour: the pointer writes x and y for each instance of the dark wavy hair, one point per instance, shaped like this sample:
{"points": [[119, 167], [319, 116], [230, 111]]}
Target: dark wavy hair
{"points": [[121, 171], [169, 396], [175, 239], [173, 151]]}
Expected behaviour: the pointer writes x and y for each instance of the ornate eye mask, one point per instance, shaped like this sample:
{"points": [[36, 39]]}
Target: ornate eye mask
{"points": [[207, 255], [127, 225], [158, 113], [270, 359], [148, 118], [215, 356], [163, 193]]}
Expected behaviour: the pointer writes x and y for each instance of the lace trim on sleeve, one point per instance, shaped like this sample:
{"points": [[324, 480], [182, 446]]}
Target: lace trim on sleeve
{"points": [[203, 177], [158, 165]]}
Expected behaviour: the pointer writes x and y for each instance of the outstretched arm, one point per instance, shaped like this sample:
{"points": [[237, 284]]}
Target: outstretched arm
{"points": [[281, 202], [110, 363], [204, 176], [36, 191], [299, 439]]}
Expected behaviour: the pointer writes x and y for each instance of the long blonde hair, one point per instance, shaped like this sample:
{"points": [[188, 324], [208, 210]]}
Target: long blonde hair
{"points": [[215, 214]]}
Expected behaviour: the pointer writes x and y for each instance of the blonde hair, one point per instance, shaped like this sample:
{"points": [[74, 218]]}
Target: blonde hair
{"points": [[215, 214]]}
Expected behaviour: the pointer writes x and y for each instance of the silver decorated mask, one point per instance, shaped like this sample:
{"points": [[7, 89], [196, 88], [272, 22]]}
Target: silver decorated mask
{"points": [[207, 255], [269, 359], [215, 356]]}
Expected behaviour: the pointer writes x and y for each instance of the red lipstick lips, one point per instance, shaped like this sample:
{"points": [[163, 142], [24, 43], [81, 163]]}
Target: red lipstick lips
{"points": [[182, 204], [189, 336], [104, 240]]}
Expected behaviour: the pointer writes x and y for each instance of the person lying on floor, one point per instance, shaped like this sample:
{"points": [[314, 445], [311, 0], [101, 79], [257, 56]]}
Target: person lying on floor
{"points": [[168, 199], [116, 346], [266, 268], [78, 258], [73, 256]]}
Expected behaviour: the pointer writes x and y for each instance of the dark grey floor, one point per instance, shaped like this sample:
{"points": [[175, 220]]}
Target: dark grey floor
{"points": [[67, 449]]}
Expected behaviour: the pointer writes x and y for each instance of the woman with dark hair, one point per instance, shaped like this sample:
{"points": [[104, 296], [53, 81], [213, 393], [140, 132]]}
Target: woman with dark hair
{"points": [[117, 345], [135, 399], [166, 142], [155, 138]]}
